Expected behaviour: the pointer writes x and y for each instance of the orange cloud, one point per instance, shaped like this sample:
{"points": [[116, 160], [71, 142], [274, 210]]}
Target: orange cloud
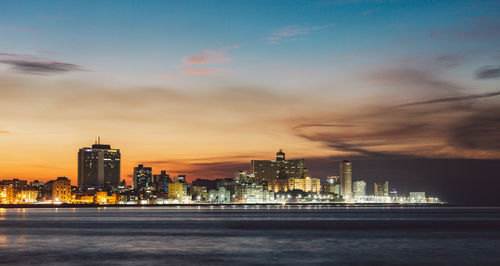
{"points": [[203, 71], [209, 56]]}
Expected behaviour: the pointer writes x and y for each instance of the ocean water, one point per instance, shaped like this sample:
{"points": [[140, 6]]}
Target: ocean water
{"points": [[279, 235]]}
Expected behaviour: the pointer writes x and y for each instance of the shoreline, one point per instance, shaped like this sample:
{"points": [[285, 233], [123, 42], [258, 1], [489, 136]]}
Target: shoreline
{"points": [[353, 205]]}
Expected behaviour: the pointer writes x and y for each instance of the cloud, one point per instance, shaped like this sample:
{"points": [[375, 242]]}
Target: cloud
{"points": [[488, 72], [206, 57], [321, 125], [289, 32], [203, 71], [404, 77], [452, 99], [449, 60], [209, 56], [28, 64], [4, 132], [478, 130]]}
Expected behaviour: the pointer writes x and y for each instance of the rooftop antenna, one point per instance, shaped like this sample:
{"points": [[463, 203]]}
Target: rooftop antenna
{"points": [[95, 140], [99, 140]]}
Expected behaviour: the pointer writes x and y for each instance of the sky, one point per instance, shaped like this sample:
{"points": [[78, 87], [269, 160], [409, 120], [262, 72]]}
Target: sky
{"points": [[203, 87]]}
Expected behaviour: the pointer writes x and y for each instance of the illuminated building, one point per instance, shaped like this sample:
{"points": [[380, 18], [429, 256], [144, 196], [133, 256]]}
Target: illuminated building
{"points": [[417, 197], [98, 166], [199, 193], [7, 194], [220, 195], [61, 190], [82, 199], [101, 197], [27, 196], [267, 171], [381, 189], [359, 188], [142, 177], [346, 180], [251, 193], [177, 190], [306, 184]]}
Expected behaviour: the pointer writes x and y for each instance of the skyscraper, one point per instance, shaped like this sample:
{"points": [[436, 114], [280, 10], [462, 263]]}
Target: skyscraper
{"points": [[142, 177], [346, 180], [266, 171], [98, 166]]}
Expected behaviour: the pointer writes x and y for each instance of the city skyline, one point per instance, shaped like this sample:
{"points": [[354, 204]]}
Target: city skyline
{"points": [[407, 90]]}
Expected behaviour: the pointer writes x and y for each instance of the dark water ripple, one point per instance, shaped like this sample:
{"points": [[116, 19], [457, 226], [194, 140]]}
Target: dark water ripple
{"points": [[250, 236]]}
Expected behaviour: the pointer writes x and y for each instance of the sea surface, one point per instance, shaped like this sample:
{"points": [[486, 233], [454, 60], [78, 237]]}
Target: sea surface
{"points": [[251, 235]]}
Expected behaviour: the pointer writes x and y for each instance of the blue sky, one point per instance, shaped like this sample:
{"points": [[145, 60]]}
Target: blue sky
{"points": [[150, 37]]}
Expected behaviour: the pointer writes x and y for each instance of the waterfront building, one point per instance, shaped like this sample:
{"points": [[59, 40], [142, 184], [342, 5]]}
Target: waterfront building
{"points": [[177, 191], [198, 193], [27, 196], [102, 197], [417, 197], [251, 193], [61, 190], [381, 189], [98, 166], [267, 171], [7, 194], [359, 188], [221, 195], [346, 180], [142, 177], [83, 199], [306, 184]]}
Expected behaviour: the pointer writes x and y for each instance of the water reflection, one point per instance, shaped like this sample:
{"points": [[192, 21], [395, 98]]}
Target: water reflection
{"points": [[249, 235]]}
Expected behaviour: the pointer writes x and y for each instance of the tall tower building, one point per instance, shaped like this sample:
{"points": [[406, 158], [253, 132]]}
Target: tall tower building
{"points": [[346, 180], [142, 177], [98, 166], [267, 171]]}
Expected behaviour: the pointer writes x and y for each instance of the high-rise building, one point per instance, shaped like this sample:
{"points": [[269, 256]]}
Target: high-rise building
{"points": [[142, 177], [266, 171], [359, 188], [98, 166], [161, 181], [346, 180], [381, 189]]}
